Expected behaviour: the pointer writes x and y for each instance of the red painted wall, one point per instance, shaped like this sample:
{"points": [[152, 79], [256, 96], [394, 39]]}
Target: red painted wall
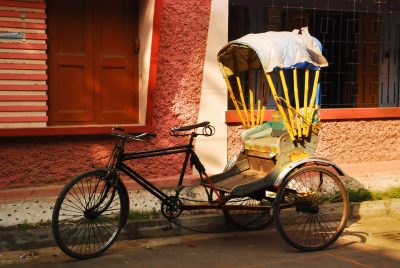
{"points": [[38, 161]]}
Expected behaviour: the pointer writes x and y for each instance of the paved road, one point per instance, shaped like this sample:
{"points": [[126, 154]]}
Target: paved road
{"points": [[373, 242]]}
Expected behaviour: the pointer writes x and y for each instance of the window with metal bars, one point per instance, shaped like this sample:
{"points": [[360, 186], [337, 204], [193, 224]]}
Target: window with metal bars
{"points": [[360, 38]]}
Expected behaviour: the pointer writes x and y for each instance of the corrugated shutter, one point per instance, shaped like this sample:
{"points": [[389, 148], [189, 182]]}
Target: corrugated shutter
{"points": [[23, 78]]}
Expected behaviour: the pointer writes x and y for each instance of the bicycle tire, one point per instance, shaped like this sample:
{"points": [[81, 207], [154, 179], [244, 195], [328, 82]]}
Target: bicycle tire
{"points": [[84, 226], [311, 208], [248, 220]]}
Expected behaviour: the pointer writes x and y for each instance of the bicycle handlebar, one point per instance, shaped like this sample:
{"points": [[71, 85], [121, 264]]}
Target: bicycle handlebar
{"points": [[191, 127], [208, 130], [140, 137]]}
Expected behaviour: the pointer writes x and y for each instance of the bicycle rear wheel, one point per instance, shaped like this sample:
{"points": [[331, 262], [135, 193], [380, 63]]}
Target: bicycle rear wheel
{"points": [[89, 214], [311, 208]]}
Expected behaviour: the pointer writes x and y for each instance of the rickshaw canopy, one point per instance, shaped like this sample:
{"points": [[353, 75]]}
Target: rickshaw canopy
{"points": [[271, 50]]}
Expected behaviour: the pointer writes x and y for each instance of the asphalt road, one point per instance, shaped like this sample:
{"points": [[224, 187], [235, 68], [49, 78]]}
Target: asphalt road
{"points": [[370, 242]]}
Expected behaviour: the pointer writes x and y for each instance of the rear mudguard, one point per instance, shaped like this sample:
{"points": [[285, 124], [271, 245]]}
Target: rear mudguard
{"points": [[320, 161]]}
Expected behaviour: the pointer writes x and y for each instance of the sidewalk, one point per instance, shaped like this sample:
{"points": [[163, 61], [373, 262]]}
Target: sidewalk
{"points": [[35, 205], [13, 238]]}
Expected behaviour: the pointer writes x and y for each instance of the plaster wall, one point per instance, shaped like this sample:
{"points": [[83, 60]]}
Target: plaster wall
{"points": [[38, 161], [360, 141], [347, 142]]}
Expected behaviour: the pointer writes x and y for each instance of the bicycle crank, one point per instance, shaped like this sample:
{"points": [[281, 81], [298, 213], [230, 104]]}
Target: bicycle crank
{"points": [[171, 207]]}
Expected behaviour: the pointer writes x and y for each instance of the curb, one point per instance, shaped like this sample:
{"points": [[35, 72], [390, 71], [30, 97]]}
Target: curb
{"points": [[15, 238], [390, 207]]}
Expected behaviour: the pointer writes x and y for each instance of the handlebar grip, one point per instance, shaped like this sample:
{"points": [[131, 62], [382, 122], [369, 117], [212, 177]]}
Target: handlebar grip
{"points": [[190, 127], [143, 137]]}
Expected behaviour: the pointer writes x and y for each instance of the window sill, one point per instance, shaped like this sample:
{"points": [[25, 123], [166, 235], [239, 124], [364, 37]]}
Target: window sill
{"points": [[231, 117], [71, 130]]}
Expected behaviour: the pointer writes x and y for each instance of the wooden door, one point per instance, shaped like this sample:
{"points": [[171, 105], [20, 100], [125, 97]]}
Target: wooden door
{"points": [[93, 62]]}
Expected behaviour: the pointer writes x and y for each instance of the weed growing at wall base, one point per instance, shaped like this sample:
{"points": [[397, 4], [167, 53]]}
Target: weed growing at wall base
{"points": [[143, 215]]}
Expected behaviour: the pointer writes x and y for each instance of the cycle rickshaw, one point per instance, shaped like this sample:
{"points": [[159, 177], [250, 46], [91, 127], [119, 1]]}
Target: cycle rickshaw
{"points": [[275, 176]]}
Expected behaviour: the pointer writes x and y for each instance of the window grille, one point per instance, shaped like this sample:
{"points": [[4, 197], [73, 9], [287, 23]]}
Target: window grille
{"points": [[361, 41]]}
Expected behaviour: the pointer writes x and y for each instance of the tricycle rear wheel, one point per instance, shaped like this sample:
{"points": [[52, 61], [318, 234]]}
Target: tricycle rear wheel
{"points": [[248, 219], [311, 208]]}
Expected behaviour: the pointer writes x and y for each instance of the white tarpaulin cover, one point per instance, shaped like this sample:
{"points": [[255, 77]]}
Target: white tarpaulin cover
{"points": [[271, 50]]}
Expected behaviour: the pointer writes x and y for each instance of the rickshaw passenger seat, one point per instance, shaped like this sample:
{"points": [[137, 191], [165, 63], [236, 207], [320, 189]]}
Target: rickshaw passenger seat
{"points": [[278, 125], [265, 137]]}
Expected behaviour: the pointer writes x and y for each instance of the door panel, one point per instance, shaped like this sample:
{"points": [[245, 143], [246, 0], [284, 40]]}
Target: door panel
{"points": [[92, 63], [70, 62], [114, 55], [113, 101]]}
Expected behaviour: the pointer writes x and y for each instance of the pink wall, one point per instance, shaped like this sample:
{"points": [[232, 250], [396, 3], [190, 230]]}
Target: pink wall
{"points": [[360, 141], [347, 141], [40, 161]]}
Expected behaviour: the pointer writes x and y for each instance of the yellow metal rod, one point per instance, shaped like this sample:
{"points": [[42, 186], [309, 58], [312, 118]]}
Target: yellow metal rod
{"points": [[312, 101], [235, 102], [286, 92], [251, 96], [259, 100], [296, 98], [264, 102], [280, 108], [239, 83], [306, 78], [262, 115]]}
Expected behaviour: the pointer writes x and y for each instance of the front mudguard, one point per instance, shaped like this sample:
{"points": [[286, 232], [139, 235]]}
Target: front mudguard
{"points": [[125, 190], [124, 193]]}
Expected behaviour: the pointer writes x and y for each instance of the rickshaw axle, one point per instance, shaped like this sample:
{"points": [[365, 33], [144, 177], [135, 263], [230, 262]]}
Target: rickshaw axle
{"points": [[307, 207]]}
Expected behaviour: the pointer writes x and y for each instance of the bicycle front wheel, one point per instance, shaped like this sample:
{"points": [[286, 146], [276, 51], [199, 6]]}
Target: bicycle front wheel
{"points": [[89, 214], [311, 208]]}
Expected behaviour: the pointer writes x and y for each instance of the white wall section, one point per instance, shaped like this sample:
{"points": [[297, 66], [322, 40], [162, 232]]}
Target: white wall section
{"points": [[212, 151], [146, 17]]}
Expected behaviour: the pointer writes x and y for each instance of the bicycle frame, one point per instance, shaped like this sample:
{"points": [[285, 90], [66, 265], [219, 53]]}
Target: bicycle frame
{"points": [[122, 157], [155, 191]]}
